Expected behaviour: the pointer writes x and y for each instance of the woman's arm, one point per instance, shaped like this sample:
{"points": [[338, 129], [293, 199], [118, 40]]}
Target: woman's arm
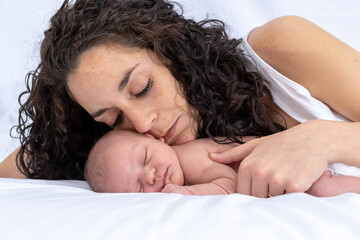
{"points": [[8, 167], [202, 175], [292, 160], [327, 67]]}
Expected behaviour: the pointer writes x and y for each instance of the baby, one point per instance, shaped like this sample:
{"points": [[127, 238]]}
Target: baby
{"points": [[124, 161]]}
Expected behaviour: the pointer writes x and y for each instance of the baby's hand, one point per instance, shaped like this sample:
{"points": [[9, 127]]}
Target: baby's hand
{"points": [[172, 188]]}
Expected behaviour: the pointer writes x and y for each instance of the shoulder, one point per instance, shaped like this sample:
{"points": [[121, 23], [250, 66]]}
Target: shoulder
{"points": [[294, 46], [286, 43], [312, 57], [281, 34], [280, 41], [200, 149], [210, 146]]}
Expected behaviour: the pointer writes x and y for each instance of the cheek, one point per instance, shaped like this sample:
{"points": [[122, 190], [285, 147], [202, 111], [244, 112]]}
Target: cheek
{"points": [[169, 92], [110, 116], [125, 124], [166, 155]]}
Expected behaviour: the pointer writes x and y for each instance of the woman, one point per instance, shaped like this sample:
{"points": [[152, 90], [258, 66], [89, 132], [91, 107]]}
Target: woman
{"points": [[141, 66]]}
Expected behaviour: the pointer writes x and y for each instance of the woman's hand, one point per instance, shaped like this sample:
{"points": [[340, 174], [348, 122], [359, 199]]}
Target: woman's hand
{"points": [[289, 161]]}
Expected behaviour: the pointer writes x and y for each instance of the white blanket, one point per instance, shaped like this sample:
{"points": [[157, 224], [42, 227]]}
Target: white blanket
{"points": [[40, 209]]}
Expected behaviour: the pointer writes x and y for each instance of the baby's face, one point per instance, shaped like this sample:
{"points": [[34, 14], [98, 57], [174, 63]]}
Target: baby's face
{"points": [[139, 163]]}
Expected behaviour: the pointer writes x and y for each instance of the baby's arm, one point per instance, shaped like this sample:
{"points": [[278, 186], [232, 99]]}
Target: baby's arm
{"points": [[328, 185], [202, 175], [218, 186]]}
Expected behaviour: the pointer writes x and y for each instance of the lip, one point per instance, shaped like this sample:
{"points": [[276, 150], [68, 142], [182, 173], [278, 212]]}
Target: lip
{"points": [[170, 133], [164, 177]]}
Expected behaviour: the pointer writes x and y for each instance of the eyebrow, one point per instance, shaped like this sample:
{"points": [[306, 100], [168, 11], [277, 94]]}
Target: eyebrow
{"points": [[124, 81]]}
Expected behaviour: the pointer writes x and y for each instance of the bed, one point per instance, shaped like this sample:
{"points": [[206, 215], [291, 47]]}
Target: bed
{"points": [[42, 209]]}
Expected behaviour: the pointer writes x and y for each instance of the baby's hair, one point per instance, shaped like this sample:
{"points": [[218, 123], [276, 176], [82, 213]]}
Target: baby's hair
{"points": [[96, 165], [95, 172]]}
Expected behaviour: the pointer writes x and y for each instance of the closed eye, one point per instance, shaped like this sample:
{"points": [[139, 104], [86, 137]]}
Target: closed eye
{"points": [[146, 89], [145, 156]]}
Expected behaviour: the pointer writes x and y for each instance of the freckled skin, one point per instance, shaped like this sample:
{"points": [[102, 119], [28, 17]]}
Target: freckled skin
{"points": [[95, 86]]}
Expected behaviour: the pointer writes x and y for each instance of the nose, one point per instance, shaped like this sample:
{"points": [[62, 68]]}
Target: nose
{"points": [[140, 120], [148, 176]]}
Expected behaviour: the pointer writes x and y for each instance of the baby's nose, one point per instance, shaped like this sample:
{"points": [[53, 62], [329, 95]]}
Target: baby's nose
{"points": [[149, 175]]}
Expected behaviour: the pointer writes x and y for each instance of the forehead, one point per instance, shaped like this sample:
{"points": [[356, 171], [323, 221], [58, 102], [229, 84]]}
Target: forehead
{"points": [[120, 145], [102, 57], [105, 53], [129, 144], [105, 59], [101, 69], [122, 160]]}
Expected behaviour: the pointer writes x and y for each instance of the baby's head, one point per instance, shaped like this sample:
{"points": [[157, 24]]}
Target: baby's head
{"points": [[124, 161]]}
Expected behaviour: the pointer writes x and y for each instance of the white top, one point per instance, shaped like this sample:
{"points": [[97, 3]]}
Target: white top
{"points": [[297, 101]]}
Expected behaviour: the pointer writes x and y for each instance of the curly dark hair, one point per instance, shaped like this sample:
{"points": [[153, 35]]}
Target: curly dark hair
{"points": [[56, 133]]}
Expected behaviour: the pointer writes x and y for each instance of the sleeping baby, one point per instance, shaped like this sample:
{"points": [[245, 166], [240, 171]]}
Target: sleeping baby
{"points": [[124, 161]]}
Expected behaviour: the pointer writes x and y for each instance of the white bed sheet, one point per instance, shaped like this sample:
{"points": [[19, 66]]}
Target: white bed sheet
{"points": [[40, 209]]}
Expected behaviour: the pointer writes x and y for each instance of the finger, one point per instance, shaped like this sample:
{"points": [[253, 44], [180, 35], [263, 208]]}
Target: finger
{"points": [[260, 186], [295, 187], [260, 190], [244, 183], [235, 154], [276, 184], [276, 190]]}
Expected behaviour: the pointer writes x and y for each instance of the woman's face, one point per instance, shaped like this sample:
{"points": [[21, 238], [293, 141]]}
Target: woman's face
{"points": [[130, 89]]}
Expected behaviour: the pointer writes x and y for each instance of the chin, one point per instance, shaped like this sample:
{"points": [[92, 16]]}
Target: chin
{"points": [[187, 130]]}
